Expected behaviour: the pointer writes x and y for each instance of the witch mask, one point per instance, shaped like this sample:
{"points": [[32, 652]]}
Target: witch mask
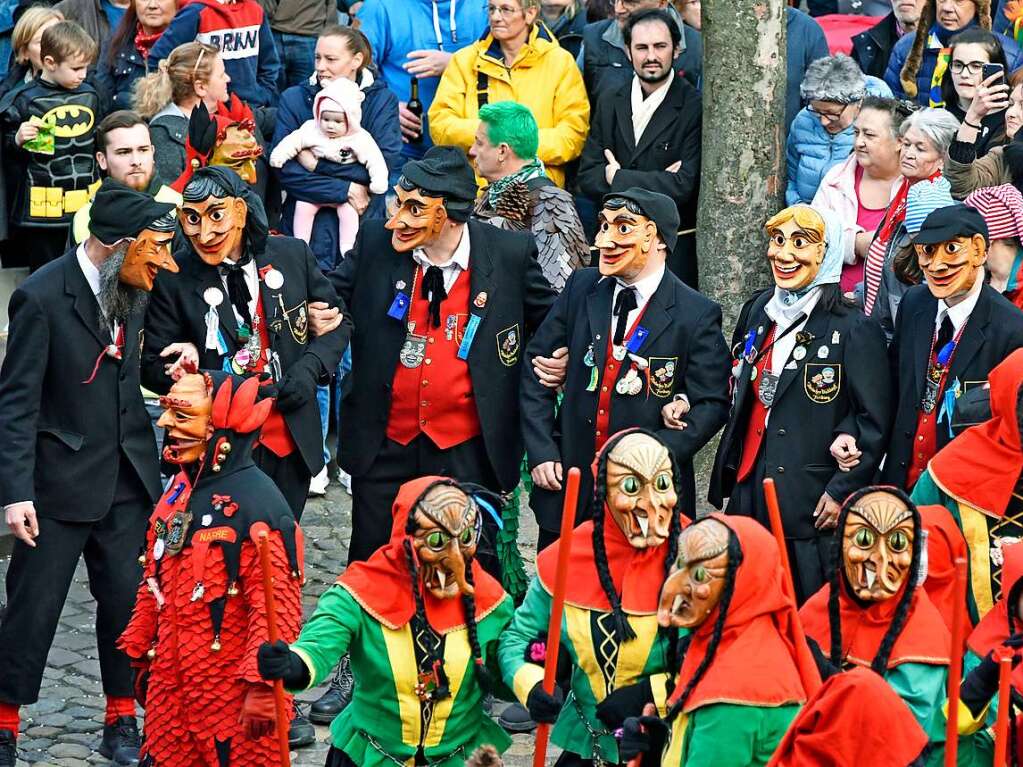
{"points": [[877, 546], [697, 578], [640, 490], [187, 417], [950, 268], [238, 149], [447, 532], [148, 254], [215, 226], [418, 220], [796, 247], [624, 240]]}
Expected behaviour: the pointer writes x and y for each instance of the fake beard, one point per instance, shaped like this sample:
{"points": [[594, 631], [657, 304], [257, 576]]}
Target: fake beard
{"points": [[117, 300]]}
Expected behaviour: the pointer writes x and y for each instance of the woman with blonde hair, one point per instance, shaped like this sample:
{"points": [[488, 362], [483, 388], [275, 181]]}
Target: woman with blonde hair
{"points": [[25, 41], [192, 73]]}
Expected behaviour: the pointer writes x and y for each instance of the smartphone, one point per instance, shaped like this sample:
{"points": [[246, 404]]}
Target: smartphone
{"points": [[989, 70]]}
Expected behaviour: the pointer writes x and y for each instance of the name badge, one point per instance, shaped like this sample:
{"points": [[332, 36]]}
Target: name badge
{"points": [[636, 339], [399, 306], [470, 334]]}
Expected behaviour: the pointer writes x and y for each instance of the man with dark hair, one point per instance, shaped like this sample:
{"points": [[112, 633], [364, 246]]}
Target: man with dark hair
{"points": [[80, 473], [647, 132]]}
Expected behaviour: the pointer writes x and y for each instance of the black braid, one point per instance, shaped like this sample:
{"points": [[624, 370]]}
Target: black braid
{"points": [[623, 631], [734, 560], [433, 661], [469, 603], [668, 634]]}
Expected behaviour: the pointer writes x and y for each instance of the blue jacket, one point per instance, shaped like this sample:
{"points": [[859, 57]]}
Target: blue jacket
{"points": [[396, 27], [1013, 57], [804, 43], [329, 184], [117, 76], [810, 151], [242, 34]]}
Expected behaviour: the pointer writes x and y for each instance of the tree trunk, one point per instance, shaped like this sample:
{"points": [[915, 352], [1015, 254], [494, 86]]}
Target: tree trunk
{"points": [[742, 177]]}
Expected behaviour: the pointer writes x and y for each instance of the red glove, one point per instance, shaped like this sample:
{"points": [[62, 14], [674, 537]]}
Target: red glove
{"points": [[259, 716]]}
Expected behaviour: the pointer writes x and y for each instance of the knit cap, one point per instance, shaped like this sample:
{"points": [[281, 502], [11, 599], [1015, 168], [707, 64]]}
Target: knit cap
{"points": [[924, 197], [1002, 209]]}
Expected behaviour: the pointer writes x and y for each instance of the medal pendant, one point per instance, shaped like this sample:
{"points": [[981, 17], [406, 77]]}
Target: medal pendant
{"points": [[753, 373], [198, 592], [766, 389], [799, 353], [449, 327], [588, 359], [618, 352], [176, 532], [158, 549], [930, 399], [413, 351], [629, 385]]}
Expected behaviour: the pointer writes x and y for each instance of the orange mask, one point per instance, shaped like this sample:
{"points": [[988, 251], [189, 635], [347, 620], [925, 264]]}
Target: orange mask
{"points": [[640, 491], [238, 150], [148, 254], [445, 540], [877, 546], [624, 240], [796, 249], [950, 268], [187, 418], [418, 221], [697, 578], [215, 226]]}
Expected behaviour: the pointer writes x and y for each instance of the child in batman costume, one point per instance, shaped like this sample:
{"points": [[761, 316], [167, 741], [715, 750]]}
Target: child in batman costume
{"points": [[200, 612]]}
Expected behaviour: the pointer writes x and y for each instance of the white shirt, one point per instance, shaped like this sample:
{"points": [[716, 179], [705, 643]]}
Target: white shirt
{"points": [[782, 349], [961, 312], [251, 281], [645, 288], [459, 261]]}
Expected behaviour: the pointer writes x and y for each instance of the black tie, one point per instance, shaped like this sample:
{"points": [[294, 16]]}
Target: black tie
{"points": [[624, 303], [945, 333], [433, 291], [238, 290]]}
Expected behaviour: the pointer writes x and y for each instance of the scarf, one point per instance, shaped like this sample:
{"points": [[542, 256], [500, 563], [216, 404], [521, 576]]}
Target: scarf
{"points": [[643, 108], [532, 169], [144, 43], [786, 305]]}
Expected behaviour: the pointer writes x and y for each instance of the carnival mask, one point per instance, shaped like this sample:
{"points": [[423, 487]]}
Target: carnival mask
{"points": [[796, 249], [418, 220], [447, 531], [237, 149], [187, 418], [877, 546], [697, 579], [215, 227], [624, 240], [640, 490], [148, 254], [950, 268]]}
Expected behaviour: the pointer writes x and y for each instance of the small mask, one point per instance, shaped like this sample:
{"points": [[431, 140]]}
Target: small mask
{"points": [[148, 254], [187, 417], [215, 226], [640, 491], [950, 268], [877, 546], [237, 149], [796, 249], [445, 539], [697, 578], [418, 221], [625, 240]]}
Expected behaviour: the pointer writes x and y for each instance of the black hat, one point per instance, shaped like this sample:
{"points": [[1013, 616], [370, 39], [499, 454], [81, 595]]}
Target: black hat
{"points": [[444, 172], [219, 181], [657, 207], [944, 224], [119, 212]]}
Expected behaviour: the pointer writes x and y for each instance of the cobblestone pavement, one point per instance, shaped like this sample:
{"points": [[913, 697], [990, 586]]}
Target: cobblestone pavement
{"points": [[65, 725]]}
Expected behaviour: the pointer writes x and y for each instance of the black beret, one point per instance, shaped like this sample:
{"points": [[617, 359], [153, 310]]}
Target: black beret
{"points": [[119, 212], [944, 224], [657, 207], [444, 172]]}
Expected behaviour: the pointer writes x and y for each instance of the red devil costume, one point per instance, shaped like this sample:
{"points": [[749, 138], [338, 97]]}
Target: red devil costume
{"points": [[200, 612]]}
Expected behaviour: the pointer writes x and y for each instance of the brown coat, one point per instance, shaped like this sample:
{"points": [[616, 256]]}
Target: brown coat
{"points": [[989, 170]]}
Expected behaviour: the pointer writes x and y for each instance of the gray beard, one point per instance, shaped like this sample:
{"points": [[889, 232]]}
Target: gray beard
{"points": [[117, 300]]}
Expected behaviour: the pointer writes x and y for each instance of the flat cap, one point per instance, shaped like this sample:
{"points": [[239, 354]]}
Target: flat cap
{"points": [[657, 207], [944, 224]]}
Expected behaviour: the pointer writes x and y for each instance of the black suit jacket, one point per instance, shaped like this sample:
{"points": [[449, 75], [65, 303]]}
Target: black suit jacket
{"points": [[994, 329], [673, 134], [503, 266], [684, 329], [806, 417], [177, 313], [62, 438]]}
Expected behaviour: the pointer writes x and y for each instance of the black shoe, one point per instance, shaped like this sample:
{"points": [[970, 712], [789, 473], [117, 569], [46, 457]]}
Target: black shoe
{"points": [[515, 718], [301, 733], [121, 741], [8, 748], [337, 696]]}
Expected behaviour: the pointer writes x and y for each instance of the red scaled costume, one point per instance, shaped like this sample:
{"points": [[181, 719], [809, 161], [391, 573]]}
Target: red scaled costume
{"points": [[200, 611]]}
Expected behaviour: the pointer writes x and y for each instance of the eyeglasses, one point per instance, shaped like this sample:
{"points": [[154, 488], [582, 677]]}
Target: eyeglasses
{"points": [[973, 67], [504, 11], [828, 116]]}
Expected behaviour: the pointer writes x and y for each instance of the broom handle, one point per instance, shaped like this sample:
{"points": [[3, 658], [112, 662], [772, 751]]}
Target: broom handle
{"points": [[955, 668], [263, 543]]}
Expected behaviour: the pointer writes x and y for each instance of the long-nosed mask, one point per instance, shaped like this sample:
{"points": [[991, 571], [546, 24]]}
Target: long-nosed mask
{"points": [[697, 578], [187, 417], [640, 489], [418, 220], [877, 546], [447, 533]]}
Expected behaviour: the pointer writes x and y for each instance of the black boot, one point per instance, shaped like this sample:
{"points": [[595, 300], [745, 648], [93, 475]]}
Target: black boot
{"points": [[121, 741], [515, 718], [8, 749], [301, 733], [337, 696]]}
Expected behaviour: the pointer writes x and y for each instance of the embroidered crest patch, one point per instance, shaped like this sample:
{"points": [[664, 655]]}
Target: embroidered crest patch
{"points": [[509, 342], [662, 375], [822, 382]]}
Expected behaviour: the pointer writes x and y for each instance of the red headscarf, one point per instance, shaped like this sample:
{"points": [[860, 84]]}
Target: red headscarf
{"points": [[981, 466], [945, 542], [855, 718], [994, 628], [755, 662], [383, 586]]}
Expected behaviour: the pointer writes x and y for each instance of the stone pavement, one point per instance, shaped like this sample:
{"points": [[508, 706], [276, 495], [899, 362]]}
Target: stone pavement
{"points": [[64, 726]]}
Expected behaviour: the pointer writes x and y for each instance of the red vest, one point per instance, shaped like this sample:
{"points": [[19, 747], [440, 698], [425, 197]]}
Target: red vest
{"points": [[436, 398], [274, 435], [758, 416], [612, 368]]}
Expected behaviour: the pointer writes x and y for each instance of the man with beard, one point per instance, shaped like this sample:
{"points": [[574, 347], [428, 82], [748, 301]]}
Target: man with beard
{"points": [[646, 132], [80, 471]]}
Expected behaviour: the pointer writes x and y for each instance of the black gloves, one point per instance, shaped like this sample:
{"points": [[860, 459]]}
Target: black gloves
{"points": [[825, 667], [277, 661], [298, 386], [544, 708], [624, 702], [981, 684], [641, 734]]}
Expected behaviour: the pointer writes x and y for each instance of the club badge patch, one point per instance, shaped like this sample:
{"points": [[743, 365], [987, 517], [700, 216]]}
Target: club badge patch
{"points": [[662, 375], [508, 343], [298, 322], [822, 382]]}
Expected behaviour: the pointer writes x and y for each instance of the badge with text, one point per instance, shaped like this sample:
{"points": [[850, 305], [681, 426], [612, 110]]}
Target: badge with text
{"points": [[399, 306], [508, 344], [468, 336], [822, 382], [662, 375]]}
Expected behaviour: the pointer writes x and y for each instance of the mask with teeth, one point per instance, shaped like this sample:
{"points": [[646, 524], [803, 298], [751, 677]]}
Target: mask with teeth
{"points": [[697, 578], [640, 489], [447, 531], [796, 249], [877, 546], [187, 418]]}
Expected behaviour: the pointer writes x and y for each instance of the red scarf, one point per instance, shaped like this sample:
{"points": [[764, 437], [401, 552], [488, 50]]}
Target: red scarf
{"points": [[945, 542], [981, 466], [144, 42], [383, 587]]}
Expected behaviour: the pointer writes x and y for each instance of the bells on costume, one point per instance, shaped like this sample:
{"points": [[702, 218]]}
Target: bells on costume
{"points": [[220, 455]]}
